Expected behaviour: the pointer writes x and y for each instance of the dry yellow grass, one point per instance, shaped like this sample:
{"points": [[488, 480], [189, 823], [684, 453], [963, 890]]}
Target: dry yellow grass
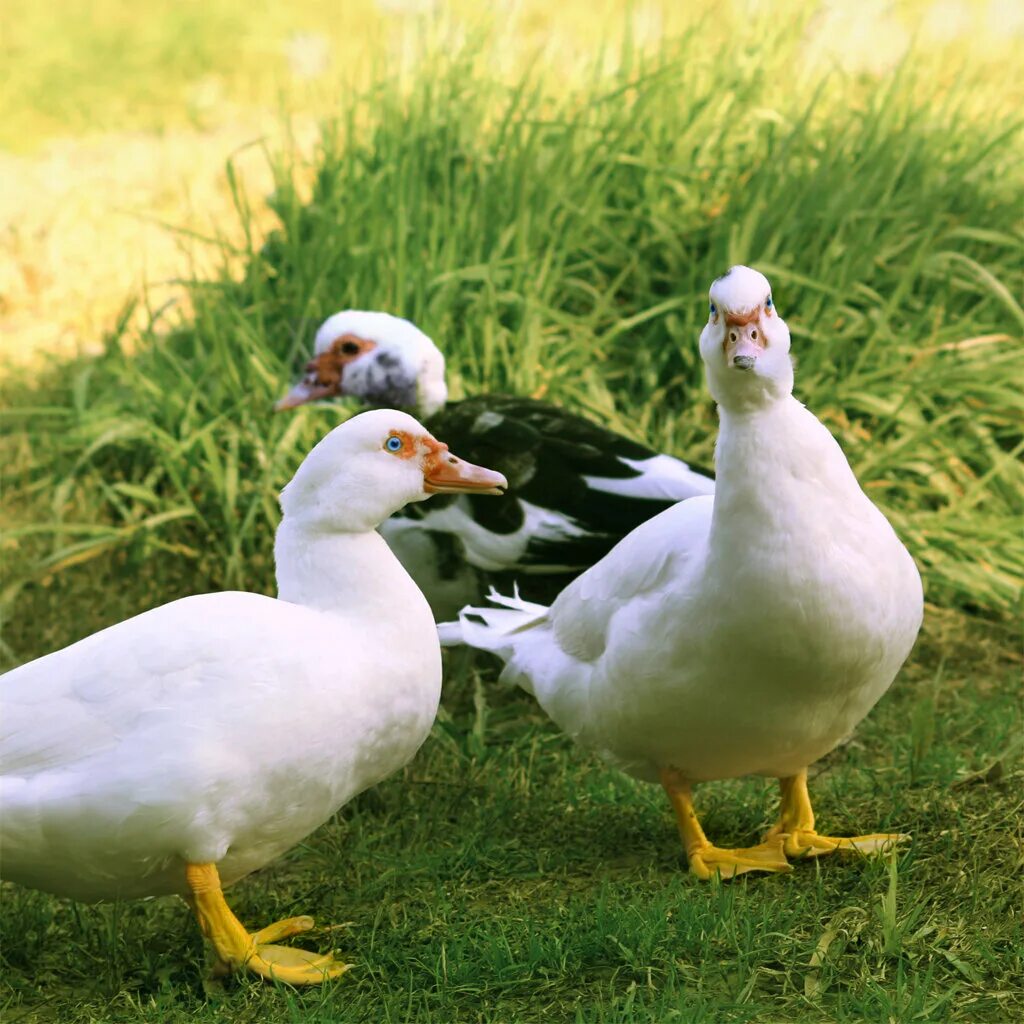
{"points": [[84, 217], [86, 226]]}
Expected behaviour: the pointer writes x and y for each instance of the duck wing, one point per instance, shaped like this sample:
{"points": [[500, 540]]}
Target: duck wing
{"points": [[575, 488], [554, 652], [655, 556], [80, 701]]}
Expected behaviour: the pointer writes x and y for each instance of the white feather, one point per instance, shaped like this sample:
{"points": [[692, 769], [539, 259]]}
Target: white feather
{"points": [[494, 552], [744, 633], [660, 477]]}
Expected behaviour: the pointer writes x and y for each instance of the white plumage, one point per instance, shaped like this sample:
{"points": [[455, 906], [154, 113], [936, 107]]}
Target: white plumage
{"points": [[221, 729], [744, 633]]}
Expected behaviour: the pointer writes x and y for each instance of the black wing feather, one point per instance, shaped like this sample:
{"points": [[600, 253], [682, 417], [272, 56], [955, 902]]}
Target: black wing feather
{"points": [[545, 452]]}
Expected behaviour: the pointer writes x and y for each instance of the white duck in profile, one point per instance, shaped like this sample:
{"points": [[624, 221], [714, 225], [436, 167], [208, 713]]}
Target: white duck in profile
{"points": [[744, 633], [179, 750]]}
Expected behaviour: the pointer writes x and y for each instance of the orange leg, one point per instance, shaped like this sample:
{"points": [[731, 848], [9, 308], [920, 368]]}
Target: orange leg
{"points": [[796, 826], [237, 948], [707, 860]]}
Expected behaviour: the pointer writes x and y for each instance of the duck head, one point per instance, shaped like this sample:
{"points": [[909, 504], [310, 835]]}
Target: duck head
{"points": [[745, 345], [381, 359], [373, 464]]}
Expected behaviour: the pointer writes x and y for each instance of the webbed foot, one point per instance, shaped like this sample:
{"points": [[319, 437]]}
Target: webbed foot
{"points": [[237, 948], [707, 861], [809, 843], [801, 839]]}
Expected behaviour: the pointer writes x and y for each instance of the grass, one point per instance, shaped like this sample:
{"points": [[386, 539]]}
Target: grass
{"points": [[104, 66], [506, 877], [563, 245], [559, 241]]}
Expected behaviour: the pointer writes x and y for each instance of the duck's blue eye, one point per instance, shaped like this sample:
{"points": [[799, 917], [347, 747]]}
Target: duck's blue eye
{"points": [[714, 309], [393, 444], [768, 303]]}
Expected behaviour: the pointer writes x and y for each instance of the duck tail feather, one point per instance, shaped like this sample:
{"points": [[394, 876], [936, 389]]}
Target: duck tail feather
{"points": [[493, 629]]}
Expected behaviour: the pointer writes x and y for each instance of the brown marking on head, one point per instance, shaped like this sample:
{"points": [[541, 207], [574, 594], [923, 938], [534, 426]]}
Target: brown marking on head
{"points": [[746, 324], [445, 473], [742, 319], [327, 368], [436, 452]]}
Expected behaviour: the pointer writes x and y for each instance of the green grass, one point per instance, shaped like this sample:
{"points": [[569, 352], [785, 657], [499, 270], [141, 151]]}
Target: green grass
{"points": [[506, 877], [562, 244]]}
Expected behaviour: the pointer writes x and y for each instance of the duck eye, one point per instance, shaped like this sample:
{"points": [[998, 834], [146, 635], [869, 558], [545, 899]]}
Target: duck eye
{"points": [[768, 303], [349, 348], [714, 309], [393, 444]]}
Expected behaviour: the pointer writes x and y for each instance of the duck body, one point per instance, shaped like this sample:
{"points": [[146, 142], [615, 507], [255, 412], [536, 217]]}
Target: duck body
{"points": [[181, 749], [178, 737], [747, 632], [744, 634], [575, 487]]}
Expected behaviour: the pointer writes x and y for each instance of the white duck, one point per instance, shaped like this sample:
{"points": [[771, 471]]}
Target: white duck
{"points": [[179, 750], [575, 487], [745, 633]]}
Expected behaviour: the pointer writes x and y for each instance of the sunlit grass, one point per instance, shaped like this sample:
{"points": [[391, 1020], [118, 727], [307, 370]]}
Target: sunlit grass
{"points": [[87, 66], [118, 116], [562, 244]]}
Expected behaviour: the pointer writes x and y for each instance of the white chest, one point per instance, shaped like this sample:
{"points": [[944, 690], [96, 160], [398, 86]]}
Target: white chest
{"points": [[779, 635]]}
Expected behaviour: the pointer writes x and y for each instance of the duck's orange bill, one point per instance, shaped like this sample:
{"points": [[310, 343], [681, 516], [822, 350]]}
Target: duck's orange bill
{"points": [[444, 473]]}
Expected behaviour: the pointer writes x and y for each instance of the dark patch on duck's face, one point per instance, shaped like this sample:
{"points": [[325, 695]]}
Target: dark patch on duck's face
{"points": [[386, 382], [388, 360]]}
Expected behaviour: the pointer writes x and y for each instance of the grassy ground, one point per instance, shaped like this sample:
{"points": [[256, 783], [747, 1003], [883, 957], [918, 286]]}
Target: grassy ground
{"points": [[118, 115], [507, 877], [558, 239]]}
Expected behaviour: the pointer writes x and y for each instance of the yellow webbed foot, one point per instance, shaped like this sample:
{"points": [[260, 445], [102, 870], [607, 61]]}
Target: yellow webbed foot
{"points": [[706, 861], [283, 929], [292, 965], [796, 827], [808, 843], [237, 949]]}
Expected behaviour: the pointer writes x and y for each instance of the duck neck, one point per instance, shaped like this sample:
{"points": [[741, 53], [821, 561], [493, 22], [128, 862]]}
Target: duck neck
{"points": [[769, 460], [335, 571]]}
